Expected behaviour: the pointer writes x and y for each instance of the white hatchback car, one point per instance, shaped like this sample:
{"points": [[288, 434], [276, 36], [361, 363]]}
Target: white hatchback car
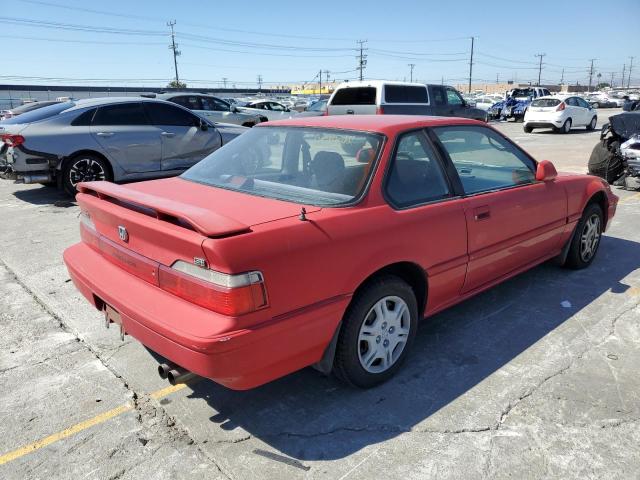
{"points": [[561, 114]]}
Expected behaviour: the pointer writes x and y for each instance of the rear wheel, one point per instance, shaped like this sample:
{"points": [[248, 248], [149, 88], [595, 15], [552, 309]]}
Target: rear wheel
{"points": [[566, 126], [595, 105], [586, 239], [84, 168], [592, 124], [377, 332]]}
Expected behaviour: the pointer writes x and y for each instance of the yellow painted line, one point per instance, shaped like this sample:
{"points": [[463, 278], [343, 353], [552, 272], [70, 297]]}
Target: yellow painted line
{"points": [[78, 427], [631, 197]]}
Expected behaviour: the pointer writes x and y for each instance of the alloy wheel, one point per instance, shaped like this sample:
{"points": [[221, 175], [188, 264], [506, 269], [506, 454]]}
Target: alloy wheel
{"points": [[384, 334], [590, 238], [86, 170]]}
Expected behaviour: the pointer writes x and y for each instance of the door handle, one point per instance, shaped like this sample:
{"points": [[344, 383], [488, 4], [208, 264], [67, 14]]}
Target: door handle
{"points": [[105, 134], [350, 112], [168, 134], [481, 213]]}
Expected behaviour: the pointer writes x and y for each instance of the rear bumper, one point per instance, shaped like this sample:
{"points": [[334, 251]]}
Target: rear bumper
{"points": [[542, 124], [190, 336]]}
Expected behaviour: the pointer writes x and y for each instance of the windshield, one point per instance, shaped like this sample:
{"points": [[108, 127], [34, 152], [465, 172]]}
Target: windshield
{"points": [[303, 165], [545, 102], [522, 92], [40, 113], [320, 106]]}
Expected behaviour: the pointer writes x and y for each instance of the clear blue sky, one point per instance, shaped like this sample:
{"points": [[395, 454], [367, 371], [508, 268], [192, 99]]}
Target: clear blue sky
{"points": [[125, 42]]}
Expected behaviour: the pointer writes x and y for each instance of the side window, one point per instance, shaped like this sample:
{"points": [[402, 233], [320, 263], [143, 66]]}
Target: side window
{"points": [[453, 97], [572, 101], [163, 114], [439, 97], [405, 94], [276, 107], [84, 119], [416, 176], [582, 103], [210, 103], [121, 114], [485, 160]]}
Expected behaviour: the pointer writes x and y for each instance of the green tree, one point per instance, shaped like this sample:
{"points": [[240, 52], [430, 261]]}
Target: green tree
{"points": [[602, 85], [176, 84]]}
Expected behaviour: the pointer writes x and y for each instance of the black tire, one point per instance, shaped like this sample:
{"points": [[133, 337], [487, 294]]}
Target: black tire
{"points": [[565, 128], [592, 125], [605, 162], [595, 105], [576, 259], [248, 124], [74, 171], [347, 365], [527, 129]]}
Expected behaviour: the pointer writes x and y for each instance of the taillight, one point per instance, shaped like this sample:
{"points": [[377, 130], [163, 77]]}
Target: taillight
{"points": [[12, 140], [223, 293], [561, 107]]}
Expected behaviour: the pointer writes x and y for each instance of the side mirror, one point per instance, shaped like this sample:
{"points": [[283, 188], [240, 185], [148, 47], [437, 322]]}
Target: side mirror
{"points": [[546, 172], [204, 126]]}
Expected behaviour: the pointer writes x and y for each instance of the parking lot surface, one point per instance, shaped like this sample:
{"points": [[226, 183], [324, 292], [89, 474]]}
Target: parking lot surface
{"points": [[536, 378]]}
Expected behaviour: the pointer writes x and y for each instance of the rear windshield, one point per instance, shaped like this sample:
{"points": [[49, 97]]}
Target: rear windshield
{"points": [[405, 94], [545, 102], [310, 166], [40, 113], [355, 96]]}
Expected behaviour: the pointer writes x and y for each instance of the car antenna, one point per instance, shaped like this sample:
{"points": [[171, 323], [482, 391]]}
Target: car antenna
{"points": [[303, 215]]}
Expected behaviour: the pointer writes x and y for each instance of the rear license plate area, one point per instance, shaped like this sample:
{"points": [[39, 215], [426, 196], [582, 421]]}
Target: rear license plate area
{"points": [[111, 315]]}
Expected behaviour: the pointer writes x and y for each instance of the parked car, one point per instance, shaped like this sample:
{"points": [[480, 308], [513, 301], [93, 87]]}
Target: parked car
{"points": [[630, 104], [259, 260], [316, 109], [383, 97], [113, 139], [560, 114], [516, 103], [601, 101], [213, 108], [484, 103], [27, 107], [268, 108]]}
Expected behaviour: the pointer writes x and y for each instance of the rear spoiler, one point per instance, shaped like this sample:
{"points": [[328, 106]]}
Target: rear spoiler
{"points": [[205, 222]]}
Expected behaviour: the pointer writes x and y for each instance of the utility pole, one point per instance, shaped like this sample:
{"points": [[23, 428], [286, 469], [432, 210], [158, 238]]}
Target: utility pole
{"points": [[591, 74], [541, 55], [471, 64], [630, 67], [411, 65], [174, 47], [362, 58], [611, 82], [497, 79], [224, 82], [320, 82], [562, 77], [259, 82], [326, 77]]}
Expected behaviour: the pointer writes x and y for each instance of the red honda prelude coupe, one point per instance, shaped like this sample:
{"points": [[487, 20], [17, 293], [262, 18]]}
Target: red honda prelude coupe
{"points": [[323, 241]]}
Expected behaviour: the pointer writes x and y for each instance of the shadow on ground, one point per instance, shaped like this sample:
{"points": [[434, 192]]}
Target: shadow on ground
{"points": [[310, 417], [46, 195]]}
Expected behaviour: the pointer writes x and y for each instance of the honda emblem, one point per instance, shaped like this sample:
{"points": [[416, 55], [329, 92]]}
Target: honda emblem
{"points": [[123, 234]]}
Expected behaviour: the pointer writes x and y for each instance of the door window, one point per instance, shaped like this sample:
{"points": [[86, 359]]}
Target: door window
{"points": [[214, 104], [582, 103], [163, 114], [416, 176], [121, 114], [484, 159], [572, 101], [439, 96], [276, 107], [453, 97]]}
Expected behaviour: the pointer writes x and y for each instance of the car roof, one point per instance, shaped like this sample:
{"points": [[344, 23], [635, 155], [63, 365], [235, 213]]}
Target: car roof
{"points": [[387, 124], [98, 101], [377, 83]]}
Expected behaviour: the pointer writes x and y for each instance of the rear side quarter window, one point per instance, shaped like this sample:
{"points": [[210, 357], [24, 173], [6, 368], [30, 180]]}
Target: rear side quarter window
{"points": [[405, 94], [355, 96]]}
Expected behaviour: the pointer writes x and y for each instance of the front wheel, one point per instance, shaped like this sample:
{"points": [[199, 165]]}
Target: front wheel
{"points": [[586, 239], [527, 129], [84, 168], [592, 124], [377, 332]]}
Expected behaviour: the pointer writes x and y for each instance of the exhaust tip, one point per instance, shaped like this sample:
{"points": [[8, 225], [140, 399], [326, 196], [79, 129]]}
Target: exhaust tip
{"points": [[163, 370], [176, 377]]}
